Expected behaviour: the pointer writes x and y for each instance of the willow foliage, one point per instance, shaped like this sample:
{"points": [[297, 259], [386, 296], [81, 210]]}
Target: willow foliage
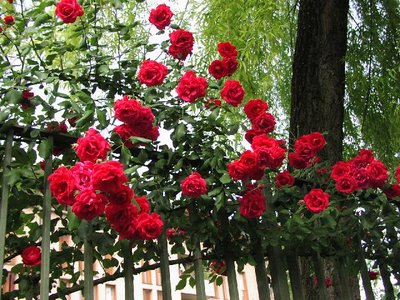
{"points": [[373, 76], [263, 32]]}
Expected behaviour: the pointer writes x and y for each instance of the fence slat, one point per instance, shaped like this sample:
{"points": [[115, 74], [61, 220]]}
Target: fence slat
{"points": [[128, 269], [4, 201], [88, 262], [198, 262], [369, 293], [344, 278], [294, 274], [320, 273], [229, 261], [385, 274], [45, 245], [261, 272], [164, 265]]}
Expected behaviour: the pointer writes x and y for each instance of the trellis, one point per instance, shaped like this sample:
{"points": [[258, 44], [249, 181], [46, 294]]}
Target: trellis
{"points": [[276, 255]]}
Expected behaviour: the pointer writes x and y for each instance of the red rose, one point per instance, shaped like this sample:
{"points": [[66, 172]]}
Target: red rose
{"points": [[316, 200], [218, 69], [340, 169], [26, 94], [249, 160], [89, 205], [226, 49], [122, 218], [315, 140], [271, 158], [31, 256], [125, 132], [194, 186], [130, 111], [237, 170], [191, 87], [62, 185], [262, 140], [361, 178], [109, 176], [377, 173], [152, 73], [373, 275], [264, 122], [296, 161], [393, 191], [232, 92], [9, 20], [123, 196], [149, 226], [251, 133], [218, 267], [231, 65], [284, 179], [254, 108], [328, 281], [63, 127], [172, 232], [161, 16], [92, 146], [212, 102], [181, 44], [397, 174], [82, 174], [68, 10], [252, 204], [363, 158], [72, 121], [346, 184], [10, 1], [143, 203], [26, 104]]}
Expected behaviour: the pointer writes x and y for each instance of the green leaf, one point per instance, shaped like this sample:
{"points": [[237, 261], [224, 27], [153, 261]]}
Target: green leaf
{"points": [[125, 155], [73, 221], [136, 139], [219, 281], [180, 131], [44, 149], [13, 96], [225, 178], [182, 283], [86, 118], [101, 117]]}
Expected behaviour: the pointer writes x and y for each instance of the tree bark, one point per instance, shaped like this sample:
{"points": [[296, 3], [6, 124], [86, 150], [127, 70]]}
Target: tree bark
{"points": [[318, 86], [318, 81]]}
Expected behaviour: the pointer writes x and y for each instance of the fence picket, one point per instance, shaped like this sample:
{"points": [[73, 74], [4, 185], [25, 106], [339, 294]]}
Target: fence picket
{"points": [[88, 262], [4, 201], [128, 269], [198, 262], [46, 218], [164, 265]]}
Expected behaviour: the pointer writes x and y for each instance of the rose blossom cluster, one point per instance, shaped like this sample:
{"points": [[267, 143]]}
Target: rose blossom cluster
{"points": [[306, 149], [228, 64], [138, 121], [359, 173], [94, 187], [261, 121]]}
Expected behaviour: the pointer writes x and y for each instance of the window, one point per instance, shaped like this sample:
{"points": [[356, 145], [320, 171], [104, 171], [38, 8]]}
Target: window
{"points": [[146, 277], [147, 294], [111, 293]]}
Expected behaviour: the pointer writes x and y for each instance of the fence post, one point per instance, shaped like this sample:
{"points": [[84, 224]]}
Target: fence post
{"points": [[369, 293], [261, 273], [88, 261], [45, 245], [164, 264], [320, 273], [294, 274], [4, 202], [128, 268], [229, 261], [198, 262]]}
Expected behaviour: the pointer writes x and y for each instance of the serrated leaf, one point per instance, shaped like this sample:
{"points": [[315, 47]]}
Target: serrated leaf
{"points": [[181, 284], [44, 149], [125, 155], [225, 178], [87, 117], [73, 221]]}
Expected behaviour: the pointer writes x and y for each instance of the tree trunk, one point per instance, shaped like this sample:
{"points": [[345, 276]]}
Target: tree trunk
{"points": [[318, 85], [318, 80]]}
